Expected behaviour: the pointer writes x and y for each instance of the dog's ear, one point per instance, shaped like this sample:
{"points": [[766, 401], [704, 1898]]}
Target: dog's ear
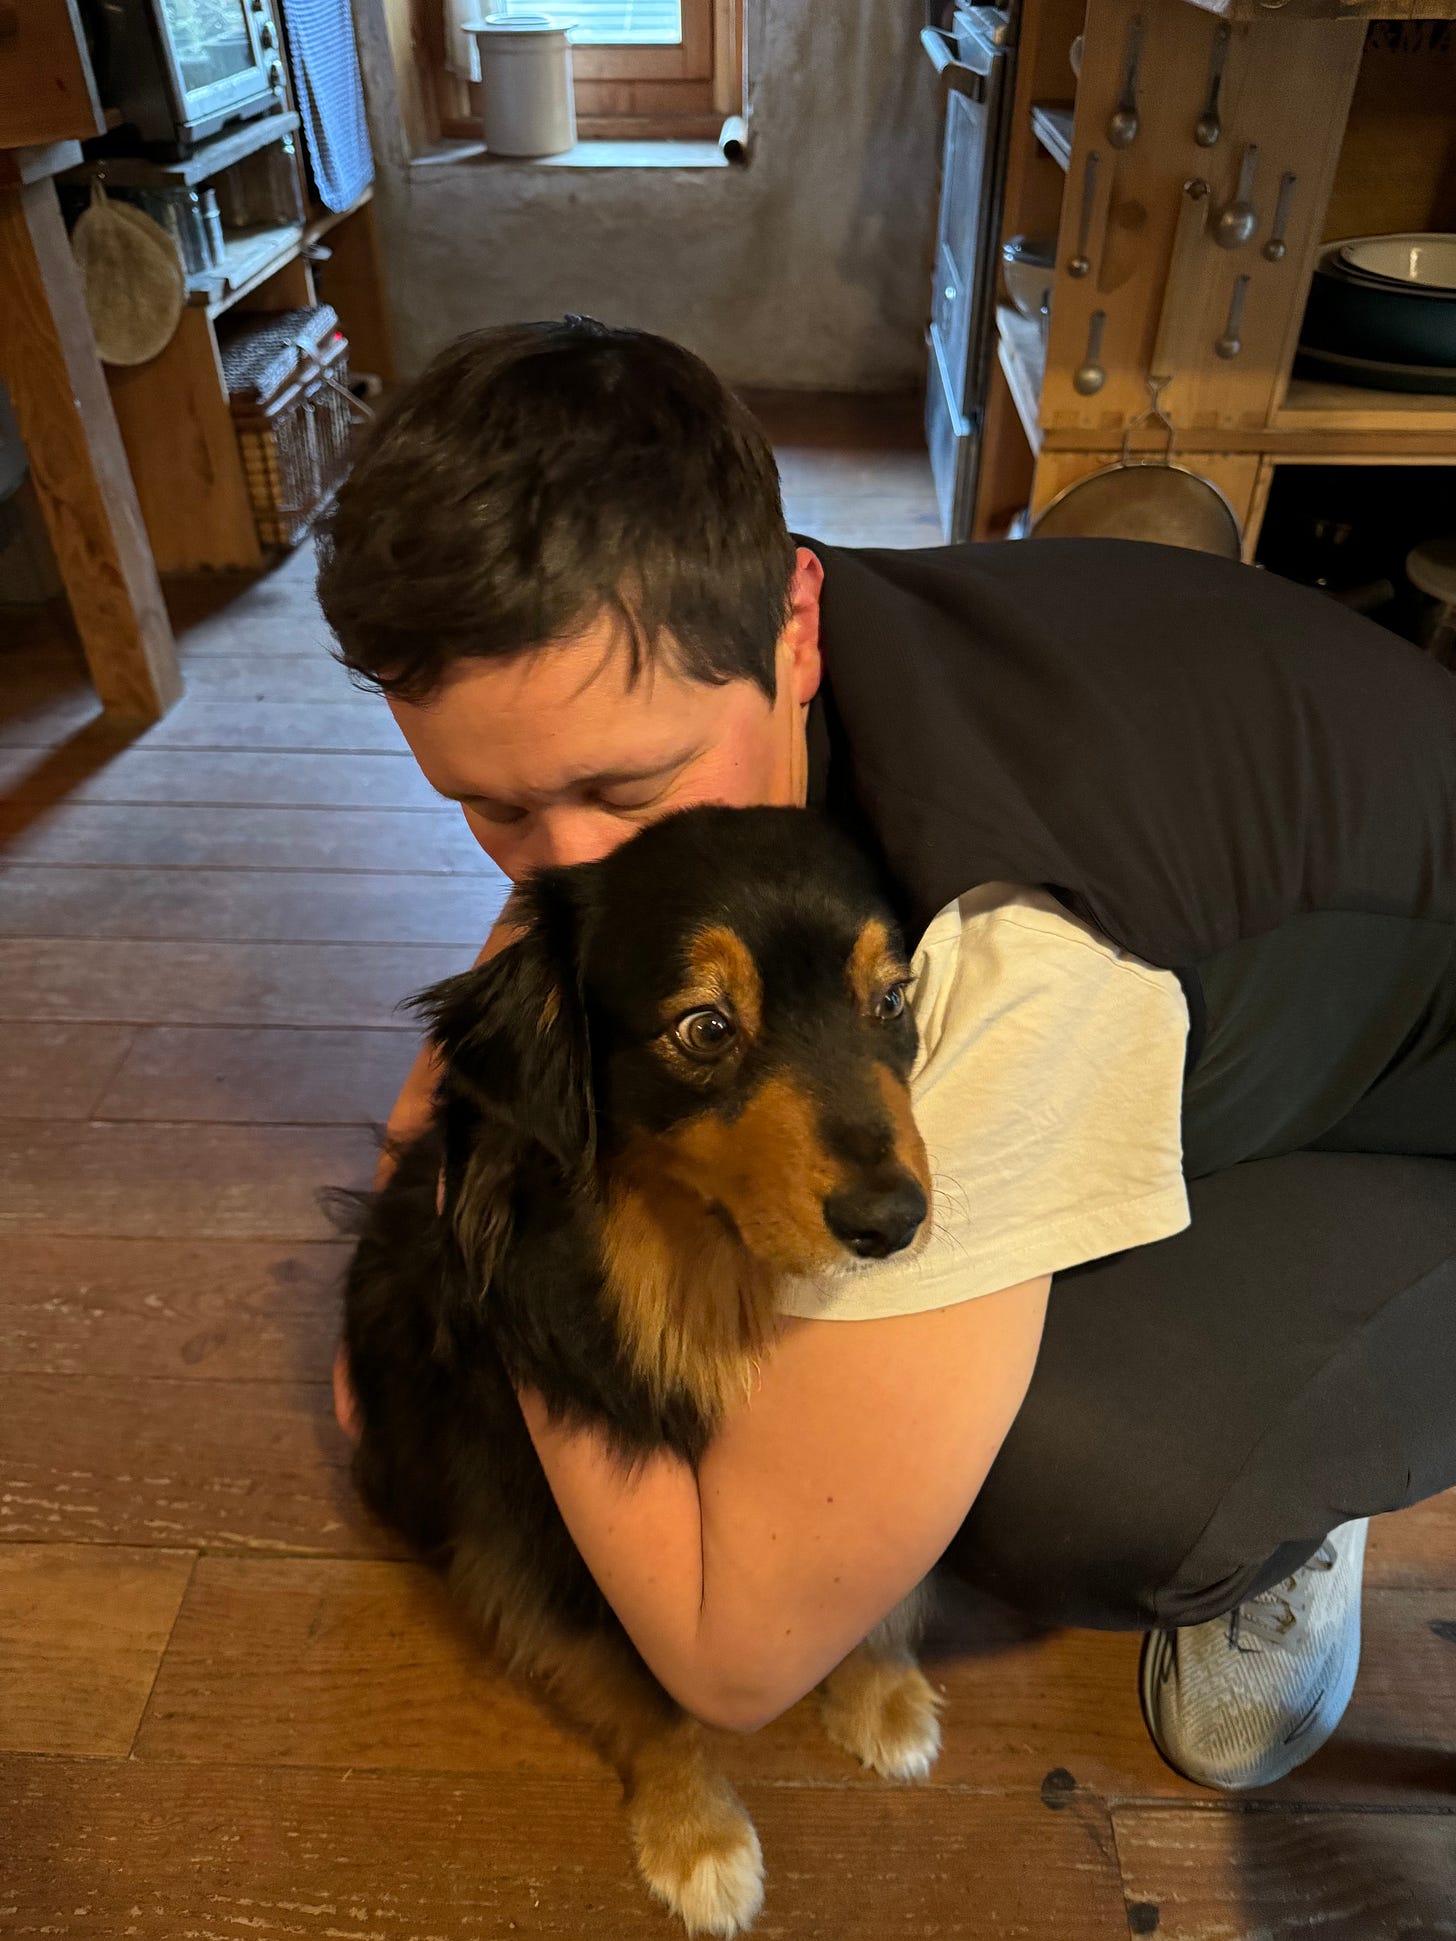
{"points": [[513, 1037], [517, 1084]]}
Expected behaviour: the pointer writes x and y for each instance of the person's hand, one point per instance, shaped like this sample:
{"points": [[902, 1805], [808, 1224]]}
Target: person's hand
{"points": [[346, 1412], [410, 1114]]}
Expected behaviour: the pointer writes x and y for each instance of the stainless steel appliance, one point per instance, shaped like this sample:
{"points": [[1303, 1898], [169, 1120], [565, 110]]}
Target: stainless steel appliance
{"points": [[179, 70], [975, 57]]}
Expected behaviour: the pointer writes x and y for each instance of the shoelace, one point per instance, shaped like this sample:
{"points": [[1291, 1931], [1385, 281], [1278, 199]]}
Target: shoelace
{"points": [[1275, 1613]]}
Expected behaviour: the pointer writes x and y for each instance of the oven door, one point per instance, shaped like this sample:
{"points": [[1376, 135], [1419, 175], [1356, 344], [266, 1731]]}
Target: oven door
{"points": [[977, 71]]}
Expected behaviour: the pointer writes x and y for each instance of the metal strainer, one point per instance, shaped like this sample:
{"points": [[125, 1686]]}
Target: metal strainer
{"points": [[1152, 498], [1145, 498]]}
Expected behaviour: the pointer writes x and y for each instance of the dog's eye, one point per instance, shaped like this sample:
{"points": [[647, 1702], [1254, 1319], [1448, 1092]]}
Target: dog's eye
{"points": [[891, 1002], [705, 1034]]}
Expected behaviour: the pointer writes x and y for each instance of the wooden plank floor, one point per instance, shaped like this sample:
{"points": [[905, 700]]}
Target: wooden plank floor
{"points": [[229, 1704]]}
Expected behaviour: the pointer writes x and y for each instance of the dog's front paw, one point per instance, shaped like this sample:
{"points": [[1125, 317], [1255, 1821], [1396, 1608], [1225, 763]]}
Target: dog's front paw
{"points": [[699, 1853], [884, 1711]]}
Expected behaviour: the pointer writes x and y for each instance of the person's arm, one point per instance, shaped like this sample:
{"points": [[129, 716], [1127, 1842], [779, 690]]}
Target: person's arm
{"points": [[819, 1505], [407, 1120], [410, 1113]]}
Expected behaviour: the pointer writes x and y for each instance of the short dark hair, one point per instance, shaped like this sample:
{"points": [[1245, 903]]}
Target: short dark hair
{"points": [[540, 474]]}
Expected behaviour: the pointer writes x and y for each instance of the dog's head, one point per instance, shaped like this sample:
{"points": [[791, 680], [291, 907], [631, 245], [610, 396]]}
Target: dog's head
{"points": [[712, 1019]]}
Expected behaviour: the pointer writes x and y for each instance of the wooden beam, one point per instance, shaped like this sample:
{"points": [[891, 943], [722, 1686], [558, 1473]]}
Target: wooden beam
{"points": [[49, 363], [1334, 9], [19, 165], [47, 91], [395, 65]]}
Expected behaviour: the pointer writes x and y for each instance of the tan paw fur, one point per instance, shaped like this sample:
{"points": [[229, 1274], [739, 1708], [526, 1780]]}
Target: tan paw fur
{"points": [[700, 1855], [885, 1712]]}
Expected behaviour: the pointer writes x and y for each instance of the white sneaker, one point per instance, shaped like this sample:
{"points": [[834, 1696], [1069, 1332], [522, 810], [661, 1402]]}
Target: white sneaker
{"points": [[1244, 1699]]}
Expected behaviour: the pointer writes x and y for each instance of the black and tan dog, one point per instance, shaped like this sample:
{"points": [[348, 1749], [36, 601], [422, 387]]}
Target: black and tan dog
{"points": [[687, 1080]]}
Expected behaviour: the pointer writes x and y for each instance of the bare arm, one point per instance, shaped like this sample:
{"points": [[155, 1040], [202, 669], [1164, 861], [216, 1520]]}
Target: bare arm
{"points": [[821, 1503]]}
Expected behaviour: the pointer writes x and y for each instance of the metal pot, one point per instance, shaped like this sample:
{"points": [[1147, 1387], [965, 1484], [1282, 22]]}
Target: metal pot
{"points": [[1358, 316]]}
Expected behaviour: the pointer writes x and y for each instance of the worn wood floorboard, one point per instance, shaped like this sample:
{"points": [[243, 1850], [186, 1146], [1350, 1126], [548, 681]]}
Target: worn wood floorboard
{"points": [[151, 1852]]}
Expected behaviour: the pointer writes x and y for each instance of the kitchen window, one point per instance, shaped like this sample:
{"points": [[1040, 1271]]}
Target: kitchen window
{"points": [[642, 68]]}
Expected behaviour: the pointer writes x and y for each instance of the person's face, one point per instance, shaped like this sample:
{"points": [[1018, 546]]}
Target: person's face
{"points": [[555, 757]]}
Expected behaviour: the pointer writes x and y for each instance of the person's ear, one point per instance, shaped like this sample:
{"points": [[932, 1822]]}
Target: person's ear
{"points": [[800, 666]]}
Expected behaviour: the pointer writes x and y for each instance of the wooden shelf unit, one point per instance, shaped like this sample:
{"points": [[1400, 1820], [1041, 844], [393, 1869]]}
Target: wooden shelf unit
{"points": [[208, 159], [250, 259], [1023, 359], [174, 415], [1310, 405], [1288, 82], [1246, 10], [1051, 123]]}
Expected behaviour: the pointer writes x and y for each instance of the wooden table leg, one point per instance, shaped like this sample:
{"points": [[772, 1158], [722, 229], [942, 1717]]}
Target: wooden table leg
{"points": [[49, 363]]}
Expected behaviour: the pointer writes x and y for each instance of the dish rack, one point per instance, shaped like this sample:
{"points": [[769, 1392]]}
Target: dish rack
{"points": [[287, 378]]}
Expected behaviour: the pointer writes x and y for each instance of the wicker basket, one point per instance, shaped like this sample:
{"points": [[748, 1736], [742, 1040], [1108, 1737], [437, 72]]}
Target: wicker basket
{"points": [[287, 378]]}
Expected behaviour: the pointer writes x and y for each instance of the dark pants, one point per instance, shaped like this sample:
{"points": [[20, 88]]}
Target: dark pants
{"points": [[1206, 1409]]}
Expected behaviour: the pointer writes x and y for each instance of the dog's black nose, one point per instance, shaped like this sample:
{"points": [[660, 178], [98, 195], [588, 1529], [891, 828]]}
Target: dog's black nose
{"points": [[876, 1221]]}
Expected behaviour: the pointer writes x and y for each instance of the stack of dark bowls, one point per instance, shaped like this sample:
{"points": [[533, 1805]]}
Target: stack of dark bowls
{"points": [[1382, 313]]}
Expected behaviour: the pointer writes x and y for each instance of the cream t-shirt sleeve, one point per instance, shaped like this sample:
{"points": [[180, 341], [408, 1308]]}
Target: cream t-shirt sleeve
{"points": [[1048, 1089]]}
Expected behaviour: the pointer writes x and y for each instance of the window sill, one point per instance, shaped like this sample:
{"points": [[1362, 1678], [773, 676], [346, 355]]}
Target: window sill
{"points": [[588, 155]]}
